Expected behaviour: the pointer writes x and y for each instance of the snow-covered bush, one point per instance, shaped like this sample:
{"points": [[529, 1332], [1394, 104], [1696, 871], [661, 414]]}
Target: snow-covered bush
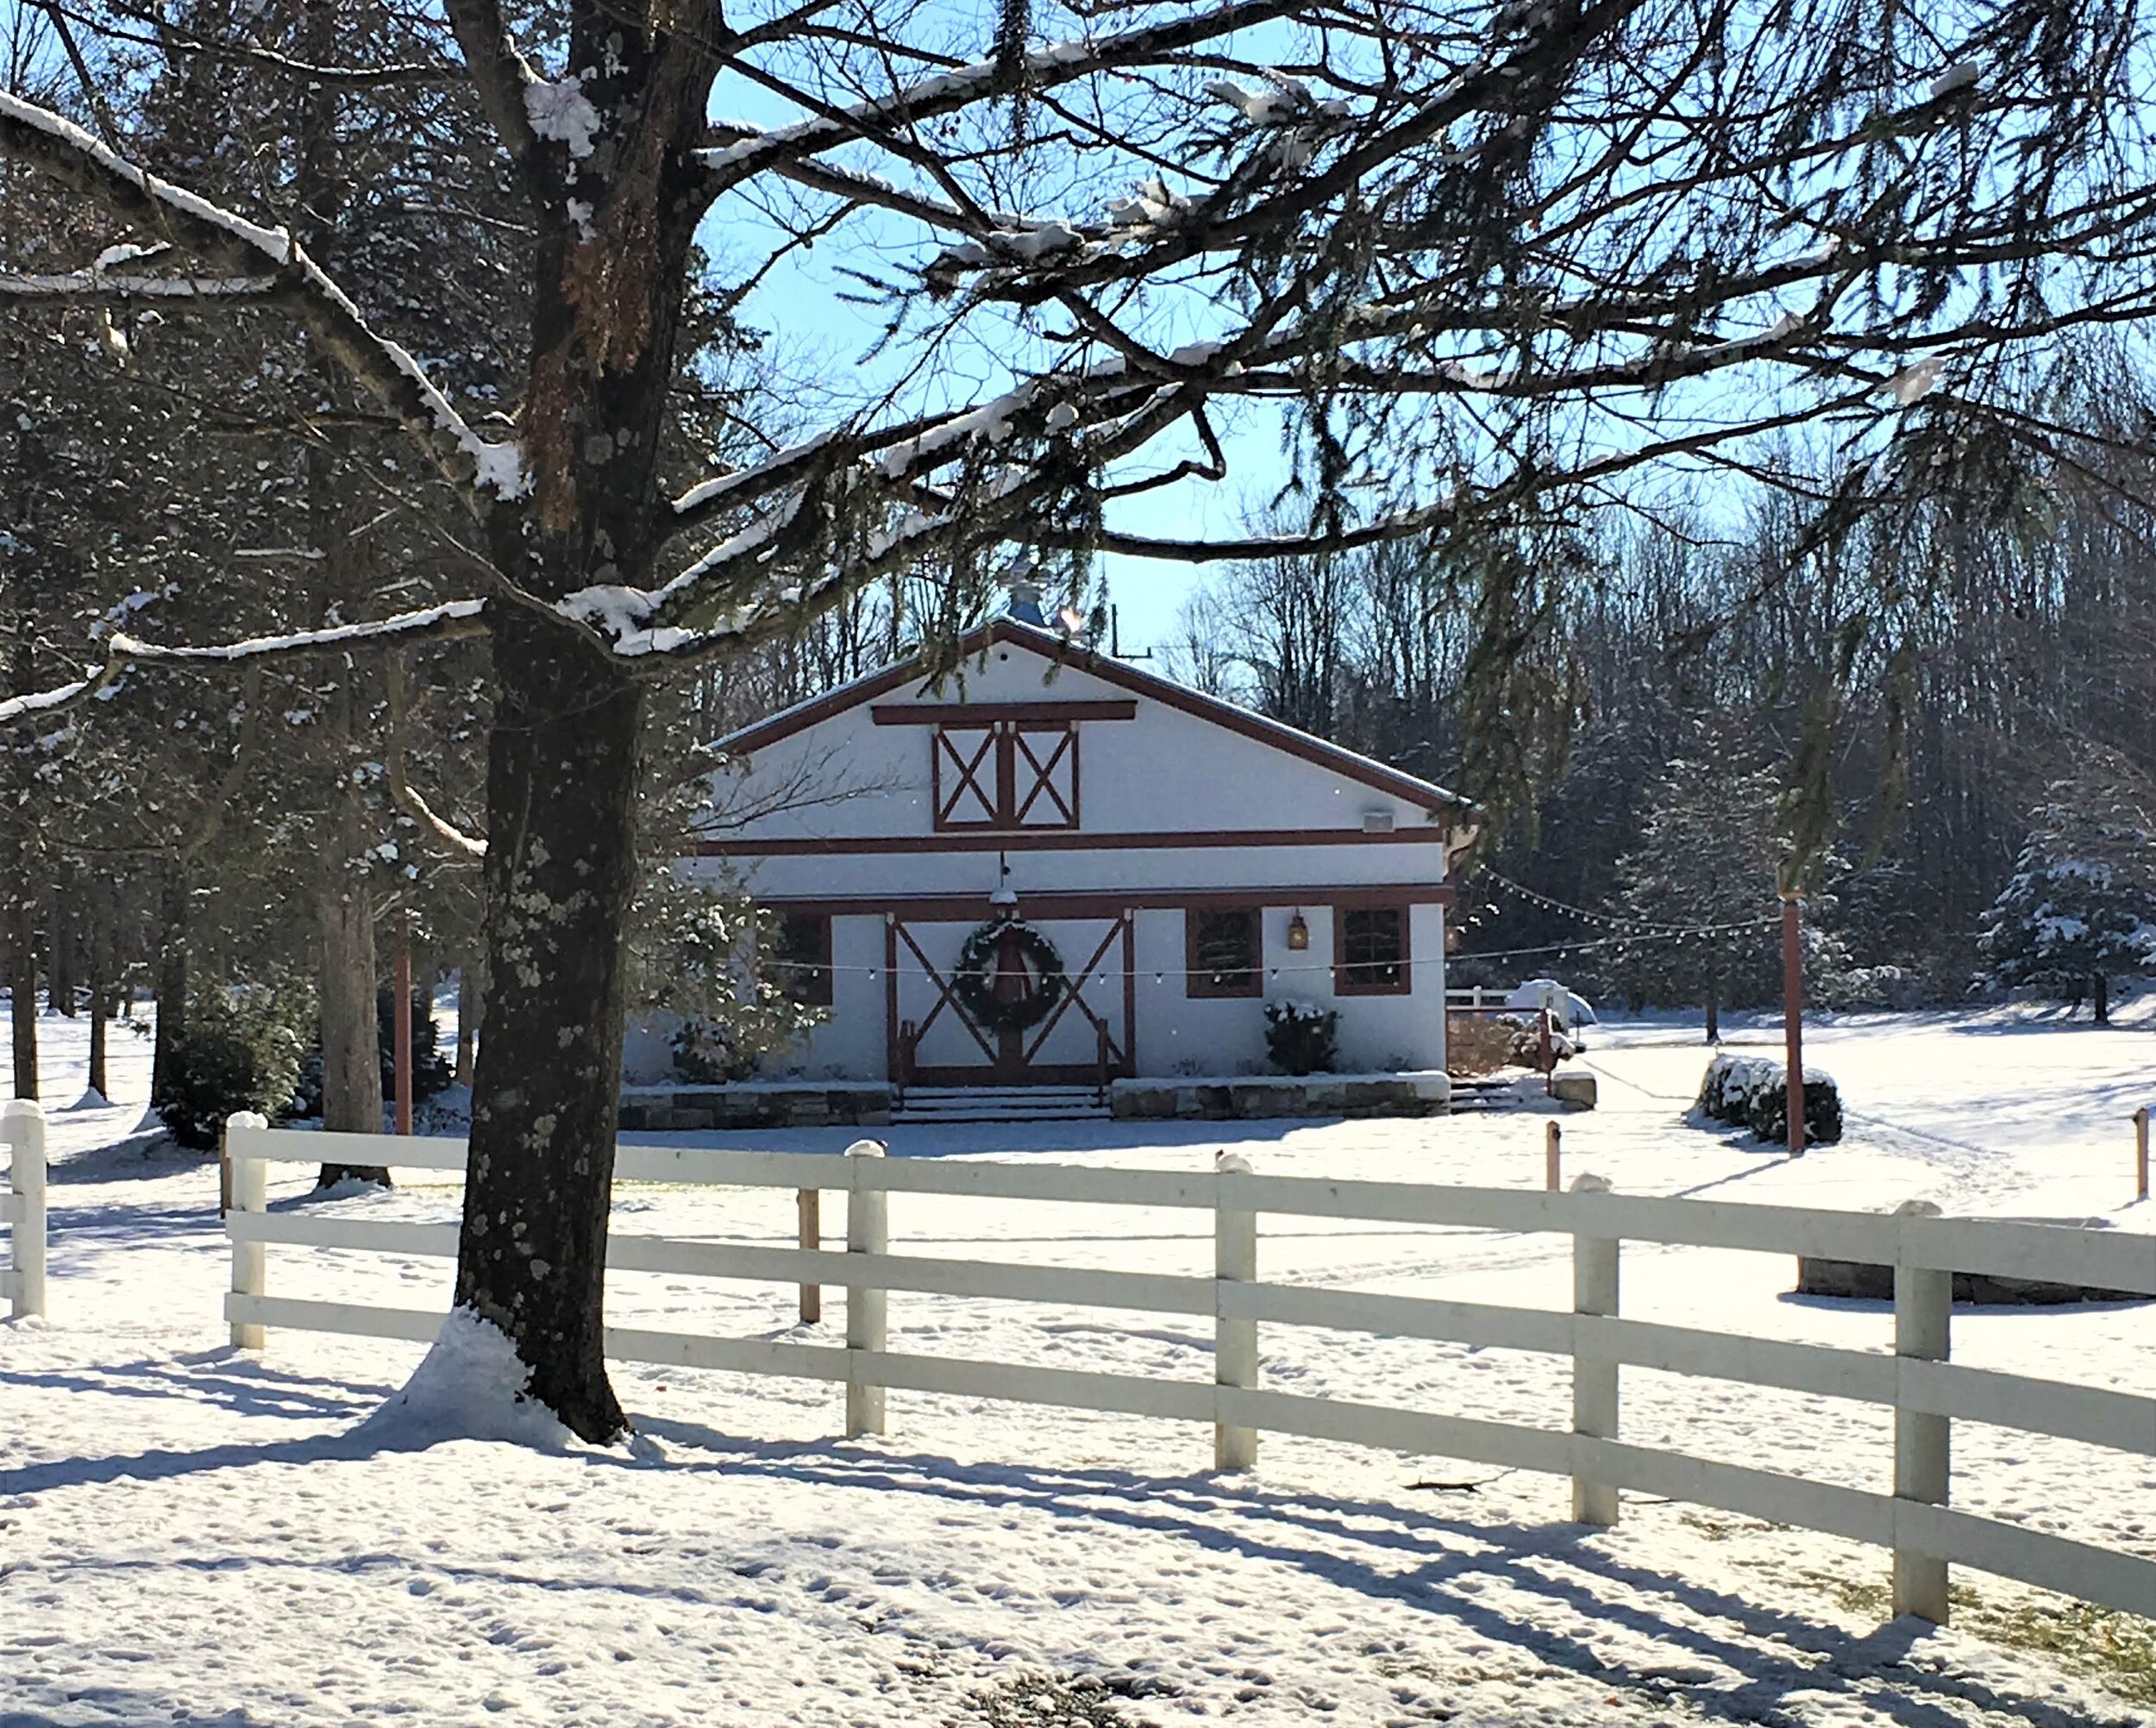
{"points": [[1725, 1092], [1752, 1092], [231, 1055], [1302, 1038], [1767, 1116], [705, 1053]]}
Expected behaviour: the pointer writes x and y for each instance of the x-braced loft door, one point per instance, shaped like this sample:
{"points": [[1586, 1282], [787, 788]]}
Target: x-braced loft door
{"points": [[1085, 1039], [1007, 775]]}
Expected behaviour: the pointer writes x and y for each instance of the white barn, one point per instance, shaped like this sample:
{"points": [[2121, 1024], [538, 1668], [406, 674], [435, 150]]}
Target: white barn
{"points": [[1186, 861]]}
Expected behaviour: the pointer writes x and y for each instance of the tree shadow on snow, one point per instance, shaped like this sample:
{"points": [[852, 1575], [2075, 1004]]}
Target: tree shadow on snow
{"points": [[1581, 1602]]}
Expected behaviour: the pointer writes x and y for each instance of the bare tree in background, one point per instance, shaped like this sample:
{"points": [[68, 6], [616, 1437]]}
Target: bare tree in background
{"points": [[1482, 264]]}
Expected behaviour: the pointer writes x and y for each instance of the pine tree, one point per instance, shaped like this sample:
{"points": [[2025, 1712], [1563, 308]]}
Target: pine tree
{"points": [[2080, 907], [1707, 859]]}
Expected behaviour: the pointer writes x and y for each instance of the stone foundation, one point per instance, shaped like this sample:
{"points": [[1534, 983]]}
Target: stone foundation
{"points": [[1860, 1281], [756, 1103], [1168, 1097]]}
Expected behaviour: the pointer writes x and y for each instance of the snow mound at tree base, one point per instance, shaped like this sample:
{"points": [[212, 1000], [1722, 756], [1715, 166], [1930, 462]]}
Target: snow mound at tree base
{"points": [[471, 1387]]}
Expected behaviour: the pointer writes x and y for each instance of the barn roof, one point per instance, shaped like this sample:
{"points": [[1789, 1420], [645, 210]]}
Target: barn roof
{"points": [[1051, 646]]}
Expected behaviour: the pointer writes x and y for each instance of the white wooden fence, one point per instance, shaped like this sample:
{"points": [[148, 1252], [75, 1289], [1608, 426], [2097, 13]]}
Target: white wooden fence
{"points": [[22, 1206], [1926, 1392]]}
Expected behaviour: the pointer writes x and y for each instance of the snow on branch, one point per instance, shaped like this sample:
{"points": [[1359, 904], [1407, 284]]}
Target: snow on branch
{"points": [[947, 93], [81, 287], [238, 248], [451, 619]]}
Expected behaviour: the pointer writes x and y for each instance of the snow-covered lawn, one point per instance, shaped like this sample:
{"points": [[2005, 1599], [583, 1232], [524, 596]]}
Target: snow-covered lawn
{"points": [[189, 1533]]}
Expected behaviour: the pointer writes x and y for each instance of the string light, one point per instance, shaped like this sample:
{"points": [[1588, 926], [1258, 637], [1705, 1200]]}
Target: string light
{"points": [[1632, 927]]}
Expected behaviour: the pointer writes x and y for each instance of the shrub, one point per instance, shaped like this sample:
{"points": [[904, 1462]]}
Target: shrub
{"points": [[707, 1054], [1768, 1116], [430, 1070], [1302, 1038], [231, 1056], [1754, 1092]]}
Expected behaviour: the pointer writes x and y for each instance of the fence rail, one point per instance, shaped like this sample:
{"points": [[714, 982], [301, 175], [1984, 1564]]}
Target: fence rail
{"points": [[1925, 1391], [22, 1206]]}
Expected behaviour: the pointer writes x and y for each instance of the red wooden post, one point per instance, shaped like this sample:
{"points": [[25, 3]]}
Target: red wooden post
{"points": [[1793, 1018], [404, 1023]]}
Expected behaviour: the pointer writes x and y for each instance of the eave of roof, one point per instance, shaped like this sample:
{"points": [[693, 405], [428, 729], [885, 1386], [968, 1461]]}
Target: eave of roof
{"points": [[1048, 645]]}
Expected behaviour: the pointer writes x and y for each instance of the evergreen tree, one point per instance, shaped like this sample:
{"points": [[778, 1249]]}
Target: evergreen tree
{"points": [[2080, 907], [1707, 856]]}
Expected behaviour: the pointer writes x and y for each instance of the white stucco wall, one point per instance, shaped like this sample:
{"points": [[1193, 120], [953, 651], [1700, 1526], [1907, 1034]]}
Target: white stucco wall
{"points": [[1165, 773]]}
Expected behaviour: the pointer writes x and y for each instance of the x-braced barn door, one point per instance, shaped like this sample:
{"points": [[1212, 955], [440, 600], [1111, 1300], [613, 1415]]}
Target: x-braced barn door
{"points": [[1087, 1038]]}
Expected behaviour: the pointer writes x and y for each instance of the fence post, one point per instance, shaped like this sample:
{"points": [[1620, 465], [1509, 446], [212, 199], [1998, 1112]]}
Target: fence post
{"points": [[1552, 1143], [809, 1203], [250, 1260], [1923, 1328], [867, 1231], [1594, 1408], [22, 1125], [1234, 1340], [2140, 1153]]}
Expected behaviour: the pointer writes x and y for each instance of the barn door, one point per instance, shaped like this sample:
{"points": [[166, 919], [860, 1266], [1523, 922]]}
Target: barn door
{"points": [[1090, 1032]]}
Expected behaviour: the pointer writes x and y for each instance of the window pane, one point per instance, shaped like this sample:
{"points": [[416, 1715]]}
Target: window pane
{"points": [[1224, 953], [1374, 947], [802, 958]]}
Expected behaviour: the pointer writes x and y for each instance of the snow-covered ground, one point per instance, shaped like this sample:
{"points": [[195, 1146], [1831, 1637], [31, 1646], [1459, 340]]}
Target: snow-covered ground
{"points": [[189, 1533]]}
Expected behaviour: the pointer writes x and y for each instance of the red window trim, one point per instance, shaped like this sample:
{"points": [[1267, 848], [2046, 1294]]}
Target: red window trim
{"points": [[1343, 983], [1198, 983]]}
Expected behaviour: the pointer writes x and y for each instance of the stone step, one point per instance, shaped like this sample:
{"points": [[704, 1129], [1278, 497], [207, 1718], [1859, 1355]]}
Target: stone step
{"points": [[1000, 1104]]}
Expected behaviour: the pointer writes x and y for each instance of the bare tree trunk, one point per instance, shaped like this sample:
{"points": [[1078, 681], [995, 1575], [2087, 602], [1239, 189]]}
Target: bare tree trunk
{"points": [[23, 988], [172, 975], [351, 1051], [100, 1006], [2099, 987], [1713, 1010], [61, 969], [559, 873]]}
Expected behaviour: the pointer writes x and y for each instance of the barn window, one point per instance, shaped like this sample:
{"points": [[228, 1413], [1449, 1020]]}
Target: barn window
{"points": [[1010, 774], [1220, 952], [1370, 951], [801, 958]]}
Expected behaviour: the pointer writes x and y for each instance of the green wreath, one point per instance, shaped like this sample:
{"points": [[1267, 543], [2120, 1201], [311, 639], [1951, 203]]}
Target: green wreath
{"points": [[973, 983]]}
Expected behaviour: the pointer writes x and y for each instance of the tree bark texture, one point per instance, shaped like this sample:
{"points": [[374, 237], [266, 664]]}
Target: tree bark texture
{"points": [[560, 868], [100, 1010], [351, 1055], [172, 973], [23, 988], [562, 756]]}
